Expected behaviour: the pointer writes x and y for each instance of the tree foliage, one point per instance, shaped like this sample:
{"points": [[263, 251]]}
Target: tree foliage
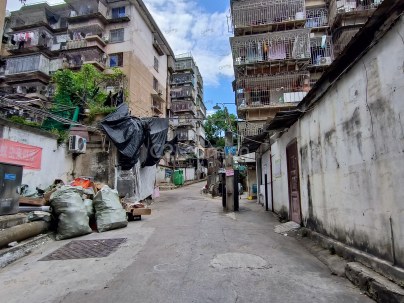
{"points": [[216, 125]]}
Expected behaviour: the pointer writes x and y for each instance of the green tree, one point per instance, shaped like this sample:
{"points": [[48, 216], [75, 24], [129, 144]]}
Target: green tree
{"points": [[216, 125]]}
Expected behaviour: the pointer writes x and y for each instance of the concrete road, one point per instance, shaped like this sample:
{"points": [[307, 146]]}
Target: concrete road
{"points": [[187, 251]]}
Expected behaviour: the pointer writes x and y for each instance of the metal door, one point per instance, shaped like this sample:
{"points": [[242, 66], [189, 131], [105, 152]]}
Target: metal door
{"points": [[294, 182], [10, 181]]}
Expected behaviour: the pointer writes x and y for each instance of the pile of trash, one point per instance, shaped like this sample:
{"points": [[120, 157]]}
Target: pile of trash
{"points": [[76, 209]]}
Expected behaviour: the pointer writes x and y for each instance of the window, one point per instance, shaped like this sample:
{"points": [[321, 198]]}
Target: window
{"points": [[116, 35], [155, 84], [156, 64], [118, 12], [116, 60]]}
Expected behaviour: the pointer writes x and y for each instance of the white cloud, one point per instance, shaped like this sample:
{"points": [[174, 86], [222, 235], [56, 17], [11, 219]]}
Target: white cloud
{"points": [[190, 28]]}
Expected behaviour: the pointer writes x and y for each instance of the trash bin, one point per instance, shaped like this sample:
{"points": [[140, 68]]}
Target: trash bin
{"points": [[254, 189], [178, 177], [10, 182]]}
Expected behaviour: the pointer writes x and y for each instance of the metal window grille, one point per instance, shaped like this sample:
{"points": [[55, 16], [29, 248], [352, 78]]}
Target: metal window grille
{"points": [[317, 17], [118, 12], [343, 37], [182, 92], [156, 64], [260, 12], [26, 64], [183, 106], [321, 51], [117, 35], [272, 90], [183, 78], [351, 7], [247, 129], [272, 46], [116, 60], [155, 84]]}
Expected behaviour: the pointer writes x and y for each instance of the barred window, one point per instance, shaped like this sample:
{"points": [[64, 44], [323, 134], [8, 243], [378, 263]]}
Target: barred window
{"points": [[117, 35]]}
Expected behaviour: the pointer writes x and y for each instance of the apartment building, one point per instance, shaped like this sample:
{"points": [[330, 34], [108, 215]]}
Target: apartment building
{"points": [[44, 38], [347, 17], [188, 112]]}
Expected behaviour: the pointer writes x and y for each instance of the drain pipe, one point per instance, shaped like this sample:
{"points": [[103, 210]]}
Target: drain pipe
{"points": [[392, 241], [21, 232], [272, 178]]}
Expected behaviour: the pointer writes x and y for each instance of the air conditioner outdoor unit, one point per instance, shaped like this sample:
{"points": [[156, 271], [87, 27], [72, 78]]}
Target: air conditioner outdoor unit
{"points": [[325, 61], [77, 144]]}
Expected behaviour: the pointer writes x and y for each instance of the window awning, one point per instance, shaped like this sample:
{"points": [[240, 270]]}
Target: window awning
{"points": [[251, 144], [282, 120]]}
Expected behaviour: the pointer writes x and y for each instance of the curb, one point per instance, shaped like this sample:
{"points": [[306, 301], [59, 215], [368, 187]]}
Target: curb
{"points": [[374, 285], [23, 249]]}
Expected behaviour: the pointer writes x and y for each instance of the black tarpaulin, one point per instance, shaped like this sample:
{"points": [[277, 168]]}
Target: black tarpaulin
{"points": [[131, 135], [127, 133], [155, 139]]}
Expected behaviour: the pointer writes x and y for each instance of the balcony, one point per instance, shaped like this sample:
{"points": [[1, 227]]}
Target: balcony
{"points": [[342, 37], [272, 91], [31, 41], [184, 92], [317, 18], [359, 10], [184, 62], [185, 121], [88, 41], [37, 15], [322, 53], [186, 135], [34, 67], [183, 107], [182, 78], [157, 104], [267, 15], [247, 129], [271, 47], [82, 11], [75, 58]]}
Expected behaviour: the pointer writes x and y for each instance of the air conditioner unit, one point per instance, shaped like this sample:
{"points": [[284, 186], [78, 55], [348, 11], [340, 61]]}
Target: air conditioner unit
{"points": [[77, 144], [325, 61]]}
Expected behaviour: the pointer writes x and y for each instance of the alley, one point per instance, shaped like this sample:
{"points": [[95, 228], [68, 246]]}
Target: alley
{"points": [[187, 251]]}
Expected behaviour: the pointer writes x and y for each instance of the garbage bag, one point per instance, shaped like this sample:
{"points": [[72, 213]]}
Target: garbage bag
{"points": [[72, 215], [88, 203], [109, 212]]}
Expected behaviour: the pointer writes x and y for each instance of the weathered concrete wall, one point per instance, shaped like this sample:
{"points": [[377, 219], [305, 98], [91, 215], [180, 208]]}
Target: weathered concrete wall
{"points": [[3, 4], [351, 153], [56, 162], [280, 171]]}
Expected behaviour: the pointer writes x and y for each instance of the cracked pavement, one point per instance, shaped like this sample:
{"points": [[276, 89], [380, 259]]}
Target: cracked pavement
{"points": [[188, 250]]}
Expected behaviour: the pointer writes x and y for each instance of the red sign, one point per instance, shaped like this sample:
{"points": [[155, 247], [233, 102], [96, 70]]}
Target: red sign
{"points": [[21, 154]]}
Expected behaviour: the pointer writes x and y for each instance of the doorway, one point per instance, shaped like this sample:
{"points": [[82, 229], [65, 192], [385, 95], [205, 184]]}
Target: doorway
{"points": [[295, 212]]}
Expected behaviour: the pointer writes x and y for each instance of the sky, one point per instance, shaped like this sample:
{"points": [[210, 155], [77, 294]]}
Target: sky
{"points": [[199, 27]]}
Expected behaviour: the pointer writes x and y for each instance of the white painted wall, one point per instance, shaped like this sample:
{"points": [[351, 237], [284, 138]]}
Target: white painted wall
{"points": [[352, 153], [56, 162]]}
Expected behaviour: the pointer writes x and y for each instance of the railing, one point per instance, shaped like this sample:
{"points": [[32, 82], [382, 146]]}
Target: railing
{"points": [[184, 92], [316, 17], [321, 49], [258, 12], [184, 64], [273, 46], [342, 37], [339, 7], [183, 106], [77, 57], [183, 78], [277, 90], [27, 64], [187, 135], [157, 105], [185, 121], [88, 7], [31, 39], [247, 129]]}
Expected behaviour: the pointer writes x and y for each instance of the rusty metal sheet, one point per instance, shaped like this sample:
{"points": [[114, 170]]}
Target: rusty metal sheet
{"points": [[84, 249]]}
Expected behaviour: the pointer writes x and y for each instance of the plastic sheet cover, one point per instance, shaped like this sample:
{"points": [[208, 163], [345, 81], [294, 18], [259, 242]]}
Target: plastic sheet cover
{"points": [[129, 134]]}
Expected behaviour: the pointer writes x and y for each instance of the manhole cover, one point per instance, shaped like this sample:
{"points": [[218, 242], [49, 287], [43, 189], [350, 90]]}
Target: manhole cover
{"points": [[84, 249]]}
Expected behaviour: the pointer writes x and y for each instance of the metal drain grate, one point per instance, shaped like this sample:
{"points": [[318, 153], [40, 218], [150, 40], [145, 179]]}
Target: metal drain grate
{"points": [[84, 249]]}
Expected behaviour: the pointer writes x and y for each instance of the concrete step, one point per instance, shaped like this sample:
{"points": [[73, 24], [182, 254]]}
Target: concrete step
{"points": [[374, 285], [12, 220]]}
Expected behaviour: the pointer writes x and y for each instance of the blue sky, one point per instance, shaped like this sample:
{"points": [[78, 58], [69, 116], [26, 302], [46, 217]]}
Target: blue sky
{"points": [[199, 27]]}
